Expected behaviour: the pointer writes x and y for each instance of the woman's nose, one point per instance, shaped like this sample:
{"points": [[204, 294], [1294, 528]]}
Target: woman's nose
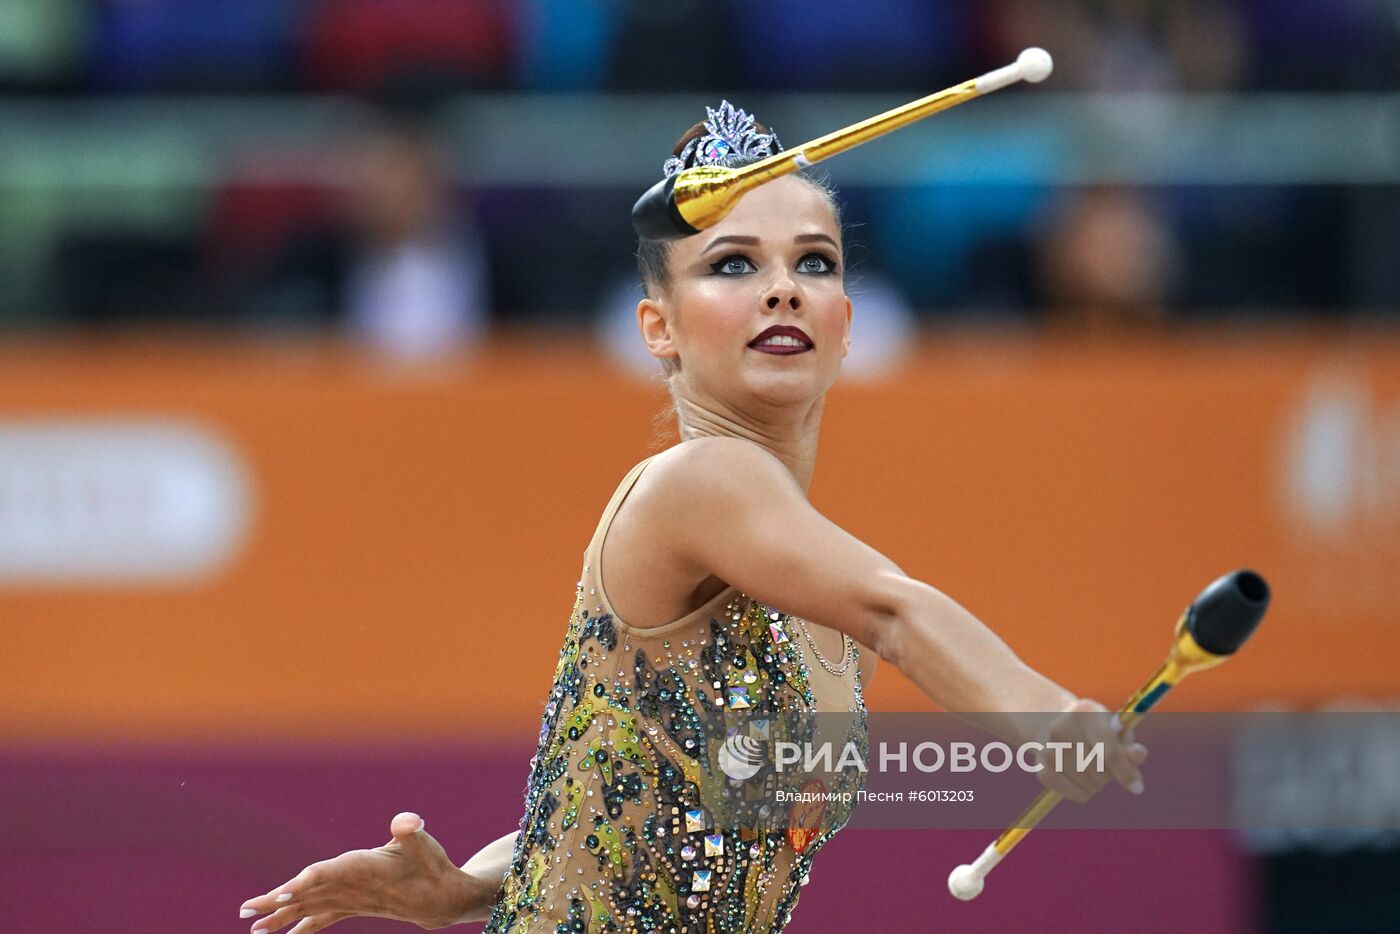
{"points": [[793, 301]]}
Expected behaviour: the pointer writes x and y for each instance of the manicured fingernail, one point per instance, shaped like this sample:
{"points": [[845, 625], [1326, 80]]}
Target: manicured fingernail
{"points": [[285, 897], [247, 912], [1136, 786], [259, 930]]}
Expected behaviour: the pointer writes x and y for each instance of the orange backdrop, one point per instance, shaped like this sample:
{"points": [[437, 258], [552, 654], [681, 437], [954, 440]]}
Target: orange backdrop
{"points": [[414, 539]]}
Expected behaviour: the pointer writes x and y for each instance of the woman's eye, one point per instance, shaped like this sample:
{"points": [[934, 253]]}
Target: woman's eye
{"points": [[816, 263], [733, 266]]}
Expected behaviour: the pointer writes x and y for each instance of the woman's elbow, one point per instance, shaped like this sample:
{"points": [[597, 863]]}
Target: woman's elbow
{"points": [[894, 608]]}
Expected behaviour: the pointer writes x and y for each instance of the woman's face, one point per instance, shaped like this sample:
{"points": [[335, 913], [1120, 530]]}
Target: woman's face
{"points": [[774, 261]]}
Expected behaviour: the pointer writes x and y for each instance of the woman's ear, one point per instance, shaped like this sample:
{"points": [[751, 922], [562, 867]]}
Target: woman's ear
{"points": [[656, 330]]}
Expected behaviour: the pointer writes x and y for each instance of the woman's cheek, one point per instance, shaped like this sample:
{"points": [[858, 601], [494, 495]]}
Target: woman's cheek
{"points": [[720, 328]]}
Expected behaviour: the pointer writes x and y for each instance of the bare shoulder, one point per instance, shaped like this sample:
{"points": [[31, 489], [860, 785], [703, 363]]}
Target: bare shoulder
{"points": [[728, 510], [703, 492], [696, 473]]}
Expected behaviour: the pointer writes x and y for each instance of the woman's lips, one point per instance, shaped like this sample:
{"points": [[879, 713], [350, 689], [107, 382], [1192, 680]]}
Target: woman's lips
{"points": [[779, 351], [782, 340]]}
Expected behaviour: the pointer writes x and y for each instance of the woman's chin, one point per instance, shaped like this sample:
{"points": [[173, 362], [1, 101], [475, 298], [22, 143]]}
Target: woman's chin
{"points": [[790, 388]]}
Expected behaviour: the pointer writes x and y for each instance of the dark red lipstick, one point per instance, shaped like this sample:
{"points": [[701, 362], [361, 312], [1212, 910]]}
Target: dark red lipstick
{"points": [[764, 343]]}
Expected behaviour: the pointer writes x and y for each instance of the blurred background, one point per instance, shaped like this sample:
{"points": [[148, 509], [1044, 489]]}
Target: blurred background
{"points": [[318, 366]]}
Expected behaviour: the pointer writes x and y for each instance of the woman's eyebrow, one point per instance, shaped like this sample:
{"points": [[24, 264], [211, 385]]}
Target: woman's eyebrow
{"points": [[731, 238], [754, 241], [818, 238]]}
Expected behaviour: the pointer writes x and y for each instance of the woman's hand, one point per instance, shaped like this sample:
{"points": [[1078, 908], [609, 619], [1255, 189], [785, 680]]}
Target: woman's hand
{"points": [[1089, 722], [409, 878]]}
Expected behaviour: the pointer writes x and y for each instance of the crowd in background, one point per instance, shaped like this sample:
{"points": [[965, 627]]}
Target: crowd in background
{"points": [[414, 256], [279, 46]]}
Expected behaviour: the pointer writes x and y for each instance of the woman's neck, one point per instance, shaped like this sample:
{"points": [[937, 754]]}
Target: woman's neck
{"points": [[793, 440]]}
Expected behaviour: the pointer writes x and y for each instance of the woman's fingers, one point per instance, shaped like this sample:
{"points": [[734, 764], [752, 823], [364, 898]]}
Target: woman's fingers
{"points": [[271, 901], [1062, 786], [279, 919], [1088, 722], [1137, 755], [317, 922], [1068, 789], [1124, 769], [1058, 780], [1085, 722], [292, 894], [1087, 782], [1080, 785], [1105, 730]]}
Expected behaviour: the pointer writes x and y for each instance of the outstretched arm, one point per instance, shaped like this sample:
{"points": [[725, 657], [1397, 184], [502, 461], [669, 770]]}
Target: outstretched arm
{"points": [[736, 512]]}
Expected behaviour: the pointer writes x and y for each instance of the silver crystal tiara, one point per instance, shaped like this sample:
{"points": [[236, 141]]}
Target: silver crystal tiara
{"points": [[731, 133]]}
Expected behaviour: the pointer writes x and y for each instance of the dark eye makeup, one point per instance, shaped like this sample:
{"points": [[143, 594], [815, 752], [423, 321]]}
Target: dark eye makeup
{"points": [[816, 263], [735, 264]]}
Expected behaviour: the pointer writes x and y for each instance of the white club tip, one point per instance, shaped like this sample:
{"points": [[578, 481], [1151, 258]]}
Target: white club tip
{"points": [[1036, 64], [965, 883]]}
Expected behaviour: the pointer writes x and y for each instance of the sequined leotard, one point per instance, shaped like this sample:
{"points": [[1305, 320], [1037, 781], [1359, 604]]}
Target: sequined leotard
{"points": [[620, 831]]}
